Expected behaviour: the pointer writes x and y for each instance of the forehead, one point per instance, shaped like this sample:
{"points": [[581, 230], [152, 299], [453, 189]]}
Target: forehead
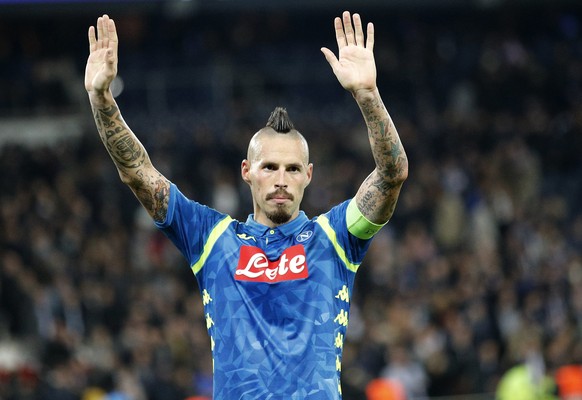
{"points": [[283, 148]]}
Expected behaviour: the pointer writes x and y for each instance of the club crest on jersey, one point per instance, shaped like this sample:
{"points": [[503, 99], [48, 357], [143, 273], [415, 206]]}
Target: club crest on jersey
{"points": [[254, 266], [303, 236]]}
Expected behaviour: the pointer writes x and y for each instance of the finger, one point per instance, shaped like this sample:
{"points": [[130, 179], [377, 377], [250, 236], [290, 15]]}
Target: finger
{"points": [[105, 31], [359, 33], [370, 37], [339, 33], [330, 57], [92, 39], [113, 40], [99, 32], [348, 29]]}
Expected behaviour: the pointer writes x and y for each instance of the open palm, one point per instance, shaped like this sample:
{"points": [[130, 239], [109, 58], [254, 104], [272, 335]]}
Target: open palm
{"points": [[354, 67], [101, 66]]}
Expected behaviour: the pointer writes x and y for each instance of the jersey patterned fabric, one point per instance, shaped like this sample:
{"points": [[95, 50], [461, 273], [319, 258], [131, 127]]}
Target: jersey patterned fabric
{"points": [[276, 300]]}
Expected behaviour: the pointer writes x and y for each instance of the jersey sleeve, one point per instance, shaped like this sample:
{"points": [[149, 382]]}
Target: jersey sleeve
{"points": [[188, 224], [355, 248]]}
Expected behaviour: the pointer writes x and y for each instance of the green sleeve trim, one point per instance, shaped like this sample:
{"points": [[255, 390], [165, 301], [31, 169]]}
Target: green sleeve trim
{"points": [[358, 224], [212, 238]]}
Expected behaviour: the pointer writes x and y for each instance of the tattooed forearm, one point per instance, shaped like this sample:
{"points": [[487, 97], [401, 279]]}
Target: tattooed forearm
{"points": [[132, 161], [387, 149], [124, 148], [378, 194]]}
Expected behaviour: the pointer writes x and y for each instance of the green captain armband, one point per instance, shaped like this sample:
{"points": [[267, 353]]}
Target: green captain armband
{"points": [[358, 225]]}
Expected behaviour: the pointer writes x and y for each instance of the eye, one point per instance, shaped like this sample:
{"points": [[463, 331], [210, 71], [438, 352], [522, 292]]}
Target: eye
{"points": [[269, 167], [293, 168]]}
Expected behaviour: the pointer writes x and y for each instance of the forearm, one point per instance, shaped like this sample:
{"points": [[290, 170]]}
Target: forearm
{"points": [[377, 197], [387, 150], [129, 156], [125, 149]]}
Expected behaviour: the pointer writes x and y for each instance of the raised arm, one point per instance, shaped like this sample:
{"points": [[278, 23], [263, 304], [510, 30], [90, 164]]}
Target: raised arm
{"points": [[355, 69], [130, 157]]}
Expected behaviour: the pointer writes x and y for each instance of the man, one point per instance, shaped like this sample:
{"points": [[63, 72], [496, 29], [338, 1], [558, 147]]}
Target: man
{"points": [[276, 289]]}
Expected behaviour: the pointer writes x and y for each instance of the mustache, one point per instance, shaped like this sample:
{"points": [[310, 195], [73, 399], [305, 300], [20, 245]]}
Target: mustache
{"points": [[280, 193]]}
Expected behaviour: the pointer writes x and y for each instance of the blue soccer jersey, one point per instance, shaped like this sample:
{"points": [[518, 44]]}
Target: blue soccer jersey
{"points": [[276, 300]]}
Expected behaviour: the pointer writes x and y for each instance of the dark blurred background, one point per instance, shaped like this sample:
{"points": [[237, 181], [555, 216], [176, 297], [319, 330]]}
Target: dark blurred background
{"points": [[479, 272]]}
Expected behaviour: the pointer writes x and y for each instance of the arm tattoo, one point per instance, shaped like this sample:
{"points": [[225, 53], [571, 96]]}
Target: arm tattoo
{"points": [[132, 162], [121, 144], [161, 196], [378, 194]]}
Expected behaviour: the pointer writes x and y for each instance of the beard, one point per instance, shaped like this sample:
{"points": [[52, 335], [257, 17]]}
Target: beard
{"points": [[279, 216]]}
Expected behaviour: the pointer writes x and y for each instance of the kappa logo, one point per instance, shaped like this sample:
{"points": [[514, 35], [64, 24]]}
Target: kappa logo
{"points": [[303, 236], [244, 236], [254, 266]]}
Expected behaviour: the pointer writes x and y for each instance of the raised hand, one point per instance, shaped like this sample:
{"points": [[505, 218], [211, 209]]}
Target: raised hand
{"points": [[102, 62], [355, 67]]}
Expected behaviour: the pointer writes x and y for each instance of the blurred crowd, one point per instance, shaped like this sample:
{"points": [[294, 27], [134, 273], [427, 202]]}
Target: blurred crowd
{"points": [[479, 271]]}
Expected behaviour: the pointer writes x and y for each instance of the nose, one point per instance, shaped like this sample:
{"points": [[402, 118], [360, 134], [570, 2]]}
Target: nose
{"points": [[280, 182]]}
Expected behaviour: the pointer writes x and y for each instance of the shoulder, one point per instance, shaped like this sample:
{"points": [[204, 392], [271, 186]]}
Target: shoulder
{"points": [[182, 208]]}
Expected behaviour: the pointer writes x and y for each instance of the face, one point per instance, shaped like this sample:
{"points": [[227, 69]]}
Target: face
{"points": [[277, 172]]}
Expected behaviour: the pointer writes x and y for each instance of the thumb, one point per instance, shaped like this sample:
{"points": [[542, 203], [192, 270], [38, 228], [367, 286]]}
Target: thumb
{"points": [[330, 57]]}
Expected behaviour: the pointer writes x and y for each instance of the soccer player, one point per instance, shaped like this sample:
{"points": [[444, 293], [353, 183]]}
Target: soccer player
{"points": [[275, 288]]}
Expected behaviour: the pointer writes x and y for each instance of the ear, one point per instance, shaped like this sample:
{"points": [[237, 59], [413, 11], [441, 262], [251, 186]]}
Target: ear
{"points": [[309, 173], [245, 170]]}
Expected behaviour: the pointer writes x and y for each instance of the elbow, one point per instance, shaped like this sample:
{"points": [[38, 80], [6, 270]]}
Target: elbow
{"points": [[398, 173], [403, 173], [394, 175]]}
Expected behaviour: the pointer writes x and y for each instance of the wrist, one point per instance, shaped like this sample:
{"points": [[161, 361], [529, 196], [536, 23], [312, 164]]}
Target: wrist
{"points": [[365, 94], [100, 98]]}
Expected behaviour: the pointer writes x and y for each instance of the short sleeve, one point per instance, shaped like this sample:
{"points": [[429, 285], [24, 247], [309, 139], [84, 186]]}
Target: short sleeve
{"points": [[188, 223]]}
